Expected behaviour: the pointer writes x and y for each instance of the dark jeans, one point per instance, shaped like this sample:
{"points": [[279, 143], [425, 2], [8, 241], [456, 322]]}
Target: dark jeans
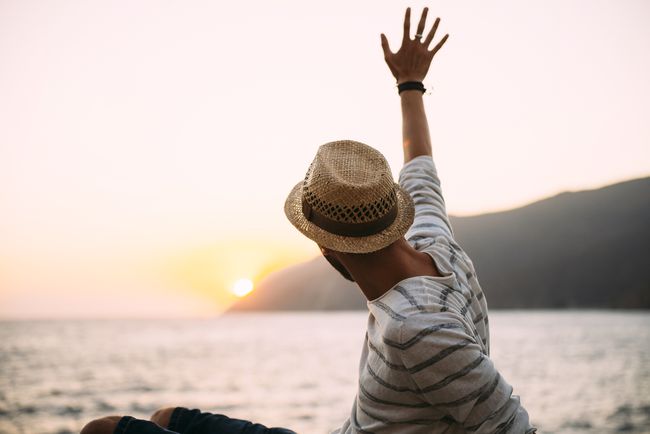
{"points": [[184, 421]]}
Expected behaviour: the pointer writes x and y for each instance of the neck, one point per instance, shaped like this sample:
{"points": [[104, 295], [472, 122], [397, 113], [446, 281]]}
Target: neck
{"points": [[378, 272]]}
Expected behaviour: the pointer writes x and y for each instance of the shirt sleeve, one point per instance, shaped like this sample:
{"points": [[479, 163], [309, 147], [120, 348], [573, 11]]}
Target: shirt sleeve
{"points": [[457, 379], [420, 179]]}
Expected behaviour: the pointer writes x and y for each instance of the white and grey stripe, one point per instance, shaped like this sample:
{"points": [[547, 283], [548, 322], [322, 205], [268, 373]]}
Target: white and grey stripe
{"points": [[425, 367]]}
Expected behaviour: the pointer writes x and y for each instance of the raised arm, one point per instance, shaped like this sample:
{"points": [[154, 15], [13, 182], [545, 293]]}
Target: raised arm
{"points": [[411, 64]]}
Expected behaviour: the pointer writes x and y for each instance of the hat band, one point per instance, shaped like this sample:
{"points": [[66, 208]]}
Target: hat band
{"points": [[348, 229]]}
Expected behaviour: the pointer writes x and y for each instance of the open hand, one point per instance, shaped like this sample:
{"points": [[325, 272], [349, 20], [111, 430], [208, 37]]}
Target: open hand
{"points": [[413, 59]]}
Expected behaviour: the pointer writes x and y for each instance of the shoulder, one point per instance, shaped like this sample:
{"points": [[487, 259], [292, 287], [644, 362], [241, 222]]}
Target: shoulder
{"points": [[405, 302], [432, 326]]}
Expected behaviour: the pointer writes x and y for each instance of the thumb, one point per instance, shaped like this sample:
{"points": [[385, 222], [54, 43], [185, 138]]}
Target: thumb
{"points": [[384, 45]]}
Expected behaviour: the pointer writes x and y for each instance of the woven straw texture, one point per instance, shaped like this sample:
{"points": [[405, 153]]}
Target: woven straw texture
{"points": [[350, 182]]}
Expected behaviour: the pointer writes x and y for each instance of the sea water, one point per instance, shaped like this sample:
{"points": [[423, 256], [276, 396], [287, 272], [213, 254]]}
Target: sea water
{"points": [[575, 371]]}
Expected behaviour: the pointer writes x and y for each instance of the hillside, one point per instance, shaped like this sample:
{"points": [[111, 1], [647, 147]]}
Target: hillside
{"points": [[587, 249]]}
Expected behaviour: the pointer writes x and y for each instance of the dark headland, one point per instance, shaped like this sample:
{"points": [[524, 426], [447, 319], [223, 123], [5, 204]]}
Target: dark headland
{"points": [[586, 249]]}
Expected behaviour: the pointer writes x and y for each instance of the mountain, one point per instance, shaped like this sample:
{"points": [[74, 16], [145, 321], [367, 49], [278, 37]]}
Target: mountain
{"points": [[312, 285], [587, 249]]}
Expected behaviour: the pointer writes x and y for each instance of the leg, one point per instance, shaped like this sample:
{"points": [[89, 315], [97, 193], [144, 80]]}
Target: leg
{"points": [[105, 425], [123, 425], [162, 416], [184, 421]]}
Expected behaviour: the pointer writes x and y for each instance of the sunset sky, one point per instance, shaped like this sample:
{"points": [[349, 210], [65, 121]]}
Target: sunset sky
{"points": [[147, 147]]}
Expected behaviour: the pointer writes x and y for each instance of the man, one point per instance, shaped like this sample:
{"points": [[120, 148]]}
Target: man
{"points": [[424, 364]]}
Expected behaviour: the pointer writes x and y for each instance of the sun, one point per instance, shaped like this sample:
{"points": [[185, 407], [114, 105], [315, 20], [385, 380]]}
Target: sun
{"points": [[242, 287]]}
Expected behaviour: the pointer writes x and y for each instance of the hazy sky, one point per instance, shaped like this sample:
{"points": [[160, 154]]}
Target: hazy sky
{"points": [[147, 147]]}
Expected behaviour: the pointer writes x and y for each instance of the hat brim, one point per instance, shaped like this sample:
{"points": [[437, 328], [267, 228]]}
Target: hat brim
{"points": [[339, 243]]}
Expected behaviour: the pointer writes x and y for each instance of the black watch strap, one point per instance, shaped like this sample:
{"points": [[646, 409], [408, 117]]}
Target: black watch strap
{"points": [[411, 85]]}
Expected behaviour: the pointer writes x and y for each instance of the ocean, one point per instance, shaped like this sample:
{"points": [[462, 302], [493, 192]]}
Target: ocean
{"points": [[576, 371]]}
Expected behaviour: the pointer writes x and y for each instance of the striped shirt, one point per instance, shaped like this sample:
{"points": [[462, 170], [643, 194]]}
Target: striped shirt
{"points": [[425, 365]]}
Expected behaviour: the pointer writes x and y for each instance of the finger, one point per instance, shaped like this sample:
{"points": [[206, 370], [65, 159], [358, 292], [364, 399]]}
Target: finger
{"points": [[432, 33], [439, 44], [407, 25], [385, 46], [422, 23]]}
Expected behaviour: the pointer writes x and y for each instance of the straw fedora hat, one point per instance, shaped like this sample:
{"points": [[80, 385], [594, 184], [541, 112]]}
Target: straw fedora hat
{"points": [[348, 201]]}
